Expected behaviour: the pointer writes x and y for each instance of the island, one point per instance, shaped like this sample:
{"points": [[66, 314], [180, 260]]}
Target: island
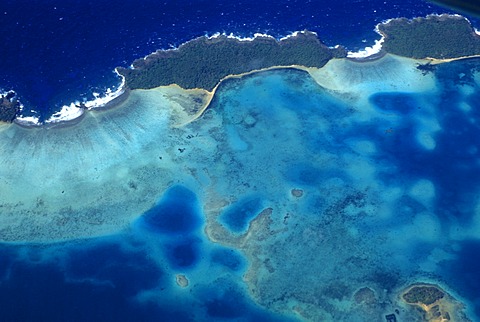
{"points": [[443, 37], [203, 62], [9, 107], [435, 304]]}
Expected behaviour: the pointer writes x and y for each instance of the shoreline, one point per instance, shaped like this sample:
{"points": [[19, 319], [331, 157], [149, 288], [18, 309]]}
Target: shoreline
{"points": [[235, 76], [436, 61], [125, 93], [74, 113], [74, 110], [118, 100]]}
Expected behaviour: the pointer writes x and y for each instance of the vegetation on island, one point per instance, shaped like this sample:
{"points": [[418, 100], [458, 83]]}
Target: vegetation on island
{"points": [[9, 107], [423, 294], [203, 62], [440, 37]]}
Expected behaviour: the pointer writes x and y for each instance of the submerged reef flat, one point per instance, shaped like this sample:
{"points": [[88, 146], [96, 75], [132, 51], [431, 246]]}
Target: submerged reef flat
{"points": [[92, 178], [203, 62], [326, 180], [436, 36]]}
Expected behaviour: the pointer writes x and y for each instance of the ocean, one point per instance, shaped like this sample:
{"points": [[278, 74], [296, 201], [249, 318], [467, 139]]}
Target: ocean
{"points": [[56, 53], [298, 195]]}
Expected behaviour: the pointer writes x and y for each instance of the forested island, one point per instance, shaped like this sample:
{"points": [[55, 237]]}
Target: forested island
{"points": [[434, 304], [9, 107], [436, 36], [203, 62]]}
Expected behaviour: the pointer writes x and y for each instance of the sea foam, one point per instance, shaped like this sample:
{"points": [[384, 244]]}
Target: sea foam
{"points": [[28, 120], [368, 51]]}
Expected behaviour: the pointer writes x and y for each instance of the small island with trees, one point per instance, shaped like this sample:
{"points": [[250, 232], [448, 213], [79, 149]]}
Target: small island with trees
{"points": [[423, 295], [434, 304], [203, 62], [9, 106], [443, 37]]}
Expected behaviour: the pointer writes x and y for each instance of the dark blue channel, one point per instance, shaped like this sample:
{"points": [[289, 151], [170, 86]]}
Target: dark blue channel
{"points": [[176, 213]]}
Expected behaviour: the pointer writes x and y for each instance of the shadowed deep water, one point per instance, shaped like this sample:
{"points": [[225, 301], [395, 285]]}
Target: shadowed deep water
{"points": [[108, 278]]}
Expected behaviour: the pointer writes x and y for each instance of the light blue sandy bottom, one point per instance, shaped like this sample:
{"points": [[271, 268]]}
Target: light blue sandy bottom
{"points": [[283, 201]]}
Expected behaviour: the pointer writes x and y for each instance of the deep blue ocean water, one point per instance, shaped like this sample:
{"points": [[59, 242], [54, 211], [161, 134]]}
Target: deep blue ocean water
{"points": [[108, 278], [54, 53], [237, 216]]}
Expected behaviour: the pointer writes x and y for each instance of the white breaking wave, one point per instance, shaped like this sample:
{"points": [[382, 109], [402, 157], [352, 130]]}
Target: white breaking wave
{"points": [[28, 120], [296, 33], [67, 113], [107, 97], [367, 51], [76, 109], [258, 35], [232, 36], [23, 120]]}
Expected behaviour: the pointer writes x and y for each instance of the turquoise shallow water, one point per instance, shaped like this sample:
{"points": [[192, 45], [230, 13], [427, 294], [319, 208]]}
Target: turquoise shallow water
{"points": [[280, 202]]}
